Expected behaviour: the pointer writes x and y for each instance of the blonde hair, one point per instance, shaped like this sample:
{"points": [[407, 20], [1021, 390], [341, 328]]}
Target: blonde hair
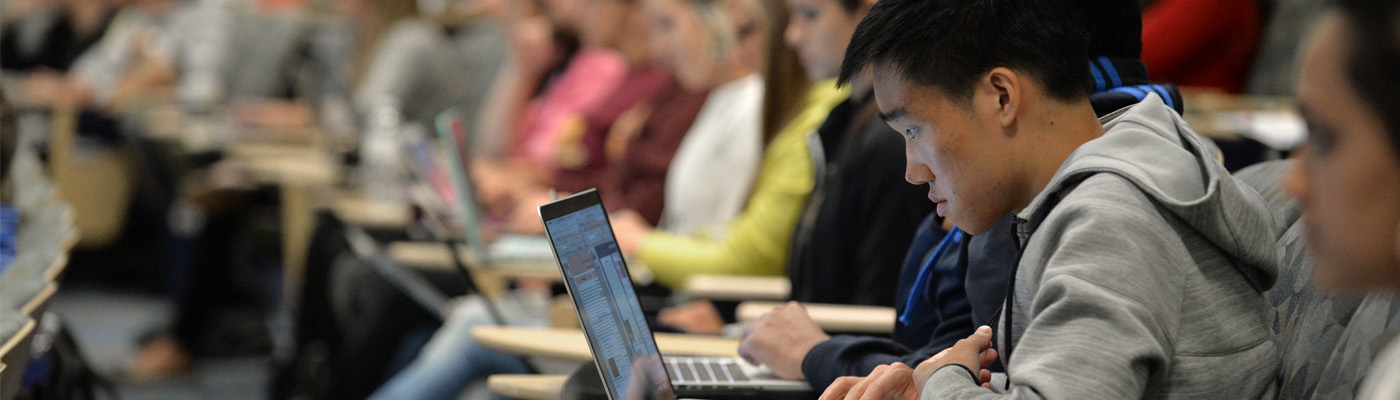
{"points": [[715, 18]]}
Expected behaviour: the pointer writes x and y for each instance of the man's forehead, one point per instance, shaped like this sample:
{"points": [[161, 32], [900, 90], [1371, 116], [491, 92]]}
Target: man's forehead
{"points": [[891, 90]]}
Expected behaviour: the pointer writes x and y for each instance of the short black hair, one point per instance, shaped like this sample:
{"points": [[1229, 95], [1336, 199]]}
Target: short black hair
{"points": [[1114, 26], [1373, 62], [950, 43]]}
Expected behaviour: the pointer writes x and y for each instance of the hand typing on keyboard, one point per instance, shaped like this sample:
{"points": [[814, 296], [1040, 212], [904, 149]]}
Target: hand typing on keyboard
{"points": [[781, 340]]}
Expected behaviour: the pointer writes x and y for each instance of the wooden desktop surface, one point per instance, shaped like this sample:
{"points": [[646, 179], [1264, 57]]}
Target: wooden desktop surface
{"points": [[527, 387], [831, 317], [434, 255], [355, 209], [570, 344], [738, 288]]}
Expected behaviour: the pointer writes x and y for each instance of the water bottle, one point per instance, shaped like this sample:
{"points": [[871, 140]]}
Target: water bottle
{"points": [[381, 162]]}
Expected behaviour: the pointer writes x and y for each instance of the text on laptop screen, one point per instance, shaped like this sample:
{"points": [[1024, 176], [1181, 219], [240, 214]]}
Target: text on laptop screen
{"points": [[607, 303]]}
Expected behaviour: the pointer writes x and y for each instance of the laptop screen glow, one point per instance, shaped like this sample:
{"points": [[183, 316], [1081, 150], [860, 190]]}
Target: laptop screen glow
{"points": [[612, 318]]}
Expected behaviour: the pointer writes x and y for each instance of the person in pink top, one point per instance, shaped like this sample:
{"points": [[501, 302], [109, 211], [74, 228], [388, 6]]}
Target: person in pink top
{"points": [[588, 80]]}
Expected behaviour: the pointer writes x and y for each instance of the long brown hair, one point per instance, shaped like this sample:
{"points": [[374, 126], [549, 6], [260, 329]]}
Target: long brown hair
{"points": [[785, 80]]}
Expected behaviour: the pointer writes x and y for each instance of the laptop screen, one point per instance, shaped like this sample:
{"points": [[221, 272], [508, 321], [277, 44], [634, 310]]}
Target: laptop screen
{"points": [[607, 305], [451, 133]]}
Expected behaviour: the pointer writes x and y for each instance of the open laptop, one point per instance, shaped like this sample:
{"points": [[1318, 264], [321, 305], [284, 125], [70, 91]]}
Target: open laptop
{"points": [[623, 347], [452, 196]]}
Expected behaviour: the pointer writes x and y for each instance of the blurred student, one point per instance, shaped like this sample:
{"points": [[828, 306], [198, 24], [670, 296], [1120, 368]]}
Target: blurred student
{"points": [[530, 110], [202, 285], [1003, 123], [451, 362], [416, 66], [49, 37], [711, 223], [1345, 178], [861, 215], [152, 46]]}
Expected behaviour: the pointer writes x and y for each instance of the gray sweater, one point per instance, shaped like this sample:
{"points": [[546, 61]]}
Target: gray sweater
{"points": [[1141, 276]]}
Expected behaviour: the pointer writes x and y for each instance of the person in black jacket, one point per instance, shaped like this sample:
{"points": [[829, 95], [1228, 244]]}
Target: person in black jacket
{"points": [[949, 283], [861, 211]]}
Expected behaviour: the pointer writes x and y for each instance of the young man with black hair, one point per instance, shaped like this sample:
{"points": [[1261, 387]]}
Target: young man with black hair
{"points": [[951, 282], [1140, 261]]}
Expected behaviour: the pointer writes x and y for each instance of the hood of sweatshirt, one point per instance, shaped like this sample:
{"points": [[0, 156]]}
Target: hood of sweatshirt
{"points": [[1151, 146]]}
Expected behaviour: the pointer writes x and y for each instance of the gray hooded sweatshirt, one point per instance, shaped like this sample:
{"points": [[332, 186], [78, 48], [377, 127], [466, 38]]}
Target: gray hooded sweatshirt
{"points": [[1142, 274]]}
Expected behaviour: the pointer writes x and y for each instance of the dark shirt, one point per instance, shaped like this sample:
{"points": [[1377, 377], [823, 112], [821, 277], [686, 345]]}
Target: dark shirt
{"points": [[967, 285], [862, 213]]}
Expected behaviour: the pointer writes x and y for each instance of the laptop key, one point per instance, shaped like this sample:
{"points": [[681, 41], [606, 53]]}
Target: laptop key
{"points": [[719, 373], [690, 369], [674, 372], [686, 374], [704, 375], [736, 372]]}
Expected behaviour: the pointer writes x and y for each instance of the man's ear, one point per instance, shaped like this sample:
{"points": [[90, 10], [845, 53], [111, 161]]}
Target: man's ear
{"points": [[1005, 86]]}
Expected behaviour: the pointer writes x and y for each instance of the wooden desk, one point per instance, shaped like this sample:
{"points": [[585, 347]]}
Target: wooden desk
{"points": [[354, 209], [36, 305], [434, 255], [527, 387], [831, 317], [1272, 121], [570, 345], [738, 288]]}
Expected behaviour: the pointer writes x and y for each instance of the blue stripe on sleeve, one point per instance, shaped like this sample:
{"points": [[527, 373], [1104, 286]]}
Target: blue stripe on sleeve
{"points": [[1098, 78], [1112, 72]]}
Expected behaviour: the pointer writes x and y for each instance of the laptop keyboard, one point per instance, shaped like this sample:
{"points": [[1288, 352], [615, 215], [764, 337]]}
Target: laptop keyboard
{"points": [[704, 370]]}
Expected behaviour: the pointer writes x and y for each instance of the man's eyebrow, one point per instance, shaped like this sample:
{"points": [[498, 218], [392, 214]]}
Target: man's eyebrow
{"points": [[893, 114]]}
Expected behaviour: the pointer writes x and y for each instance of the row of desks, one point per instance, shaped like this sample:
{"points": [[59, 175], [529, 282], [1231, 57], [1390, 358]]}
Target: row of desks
{"points": [[302, 163]]}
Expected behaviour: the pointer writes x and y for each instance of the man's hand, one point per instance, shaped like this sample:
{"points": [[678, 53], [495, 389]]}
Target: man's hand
{"points": [[974, 353], [781, 339], [886, 382], [898, 381]]}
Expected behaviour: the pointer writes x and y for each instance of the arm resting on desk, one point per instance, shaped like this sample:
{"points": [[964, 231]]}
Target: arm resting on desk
{"points": [[831, 317]]}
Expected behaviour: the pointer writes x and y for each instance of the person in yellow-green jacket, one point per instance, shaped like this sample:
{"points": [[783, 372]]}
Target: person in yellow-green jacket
{"points": [[757, 241]]}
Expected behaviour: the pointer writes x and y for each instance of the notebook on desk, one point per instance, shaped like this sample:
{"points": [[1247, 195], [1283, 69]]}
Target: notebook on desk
{"points": [[622, 344]]}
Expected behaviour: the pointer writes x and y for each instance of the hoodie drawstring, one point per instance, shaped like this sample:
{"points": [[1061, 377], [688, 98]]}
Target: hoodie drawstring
{"points": [[1009, 306]]}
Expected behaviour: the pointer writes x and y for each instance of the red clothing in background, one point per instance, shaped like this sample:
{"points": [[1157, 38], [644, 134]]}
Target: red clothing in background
{"points": [[638, 180], [581, 155], [1207, 43]]}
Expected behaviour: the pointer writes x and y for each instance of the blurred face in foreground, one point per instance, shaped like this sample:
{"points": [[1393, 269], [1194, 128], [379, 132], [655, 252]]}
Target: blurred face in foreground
{"points": [[1348, 175]]}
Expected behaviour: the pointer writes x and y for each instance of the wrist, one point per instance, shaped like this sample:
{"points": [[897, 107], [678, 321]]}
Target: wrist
{"points": [[799, 352]]}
